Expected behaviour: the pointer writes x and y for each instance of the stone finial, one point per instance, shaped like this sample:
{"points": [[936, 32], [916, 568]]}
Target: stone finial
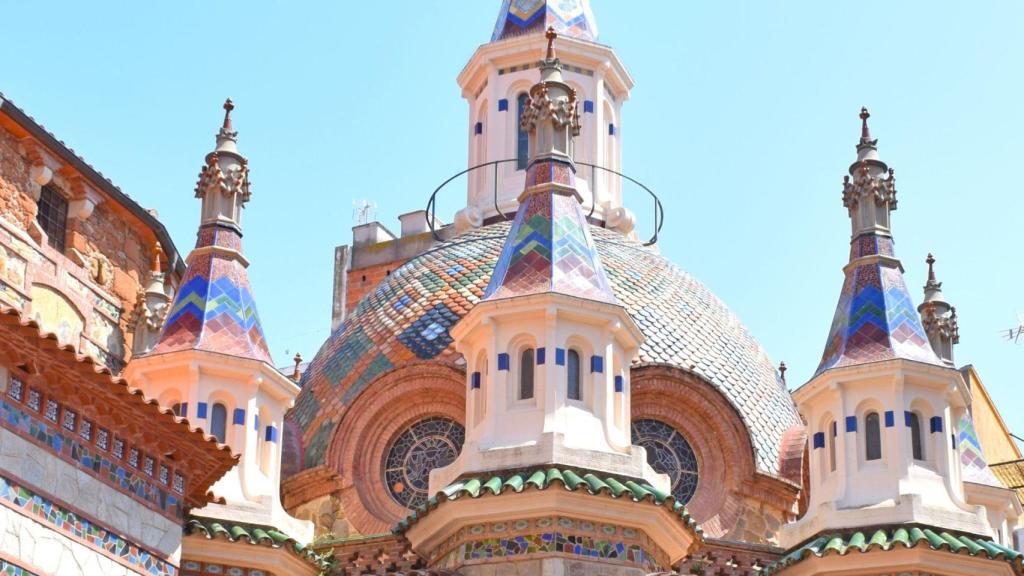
{"points": [[782, 372], [551, 35], [157, 266], [938, 318], [228, 107], [930, 260], [297, 373], [865, 132]]}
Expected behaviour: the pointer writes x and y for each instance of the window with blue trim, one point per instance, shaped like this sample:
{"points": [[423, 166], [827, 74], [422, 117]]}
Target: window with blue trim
{"points": [[522, 136], [872, 437], [219, 422], [526, 374], [573, 376], [916, 441], [833, 432]]}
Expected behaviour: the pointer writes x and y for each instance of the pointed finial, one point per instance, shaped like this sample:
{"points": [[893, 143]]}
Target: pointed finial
{"points": [[930, 260], [297, 374], [158, 250], [782, 371], [865, 133], [551, 35], [228, 107]]}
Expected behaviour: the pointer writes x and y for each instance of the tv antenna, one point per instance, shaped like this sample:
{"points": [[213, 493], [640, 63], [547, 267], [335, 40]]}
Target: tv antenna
{"points": [[363, 211]]}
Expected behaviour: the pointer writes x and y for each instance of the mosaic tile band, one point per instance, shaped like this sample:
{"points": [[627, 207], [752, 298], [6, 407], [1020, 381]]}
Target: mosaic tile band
{"points": [[8, 569], [194, 568], [71, 448], [554, 542], [71, 524]]}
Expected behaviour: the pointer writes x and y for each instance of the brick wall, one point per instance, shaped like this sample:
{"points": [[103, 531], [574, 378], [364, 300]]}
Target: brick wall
{"points": [[365, 280]]}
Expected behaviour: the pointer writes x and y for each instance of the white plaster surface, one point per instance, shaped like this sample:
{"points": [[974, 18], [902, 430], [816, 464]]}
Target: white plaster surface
{"points": [[40, 471]]}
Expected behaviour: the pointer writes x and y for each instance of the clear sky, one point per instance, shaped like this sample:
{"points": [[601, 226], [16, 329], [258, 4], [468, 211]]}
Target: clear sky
{"points": [[743, 120]]}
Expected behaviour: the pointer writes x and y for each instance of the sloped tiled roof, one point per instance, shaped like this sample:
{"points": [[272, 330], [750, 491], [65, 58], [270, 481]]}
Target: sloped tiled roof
{"points": [[408, 317], [517, 482], [886, 539], [214, 309], [549, 249], [568, 17], [255, 535]]}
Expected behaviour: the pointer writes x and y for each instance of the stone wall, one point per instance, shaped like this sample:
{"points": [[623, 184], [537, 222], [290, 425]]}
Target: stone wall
{"points": [[107, 259], [15, 203], [56, 481]]}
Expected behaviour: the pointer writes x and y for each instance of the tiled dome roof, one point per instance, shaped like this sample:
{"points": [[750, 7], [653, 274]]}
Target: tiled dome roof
{"points": [[408, 317], [571, 18]]}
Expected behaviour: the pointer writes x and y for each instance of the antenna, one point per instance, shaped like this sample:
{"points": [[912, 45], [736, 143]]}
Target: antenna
{"points": [[363, 211]]}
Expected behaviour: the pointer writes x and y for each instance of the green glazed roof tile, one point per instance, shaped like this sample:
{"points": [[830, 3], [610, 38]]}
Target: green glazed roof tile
{"points": [[540, 479], [884, 539], [254, 535]]}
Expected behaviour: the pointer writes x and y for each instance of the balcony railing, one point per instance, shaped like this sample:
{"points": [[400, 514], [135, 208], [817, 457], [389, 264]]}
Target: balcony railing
{"points": [[659, 213]]}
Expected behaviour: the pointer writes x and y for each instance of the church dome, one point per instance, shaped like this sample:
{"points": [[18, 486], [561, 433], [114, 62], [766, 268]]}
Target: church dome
{"points": [[407, 319]]}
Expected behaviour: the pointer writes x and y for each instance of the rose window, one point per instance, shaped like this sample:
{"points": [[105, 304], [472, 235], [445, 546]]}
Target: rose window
{"points": [[427, 444], [668, 452]]}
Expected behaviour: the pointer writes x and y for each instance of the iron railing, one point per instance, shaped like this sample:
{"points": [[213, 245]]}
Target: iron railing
{"points": [[659, 212]]}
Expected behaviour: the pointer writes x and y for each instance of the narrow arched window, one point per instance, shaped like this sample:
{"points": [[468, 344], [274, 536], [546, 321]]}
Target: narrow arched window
{"points": [[572, 367], [176, 408], [916, 441], [832, 433], [526, 374], [219, 422], [522, 137], [872, 437]]}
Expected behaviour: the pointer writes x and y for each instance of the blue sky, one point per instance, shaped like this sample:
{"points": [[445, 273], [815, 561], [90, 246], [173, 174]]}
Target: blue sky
{"points": [[743, 120]]}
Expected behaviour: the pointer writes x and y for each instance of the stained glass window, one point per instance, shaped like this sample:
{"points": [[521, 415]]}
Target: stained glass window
{"points": [[668, 452], [428, 444]]}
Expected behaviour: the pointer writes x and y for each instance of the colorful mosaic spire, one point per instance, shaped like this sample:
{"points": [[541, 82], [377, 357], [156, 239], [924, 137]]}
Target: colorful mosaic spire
{"points": [[549, 247], [571, 18], [875, 319], [214, 309]]}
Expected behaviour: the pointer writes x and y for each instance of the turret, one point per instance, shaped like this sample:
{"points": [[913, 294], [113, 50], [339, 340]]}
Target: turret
{"points": [[496, 83], [882, 409], [938, 317], [211, 363]]}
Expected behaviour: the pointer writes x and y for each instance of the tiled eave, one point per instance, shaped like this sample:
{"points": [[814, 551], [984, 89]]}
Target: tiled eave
{"points": [[200, 454]]}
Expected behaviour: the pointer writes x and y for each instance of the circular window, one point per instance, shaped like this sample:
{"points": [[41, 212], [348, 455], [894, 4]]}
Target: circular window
{"points": [[427, 444], [668, 452]]}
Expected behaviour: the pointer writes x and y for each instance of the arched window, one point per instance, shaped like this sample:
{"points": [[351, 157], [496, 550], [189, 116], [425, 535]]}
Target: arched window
{"points": [[427, 444], [832, 433], [872, 437], [176, 408], [219, 422], [526, 374], [522, 137], [668, 452], [916, 441], [572, 368]]}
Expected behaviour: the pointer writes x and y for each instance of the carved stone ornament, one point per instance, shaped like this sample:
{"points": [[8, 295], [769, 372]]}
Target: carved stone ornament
{"points": [[101, 271]]}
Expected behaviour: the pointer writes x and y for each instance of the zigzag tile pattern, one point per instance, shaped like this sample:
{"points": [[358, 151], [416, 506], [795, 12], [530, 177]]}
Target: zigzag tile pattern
{"points": [[214, 309], [684, 323], [569, 18], [550, 250], [972, 457], [875, 318]]}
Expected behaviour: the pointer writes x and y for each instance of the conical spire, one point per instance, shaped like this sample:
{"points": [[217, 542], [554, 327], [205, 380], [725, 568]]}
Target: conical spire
{"points": [[214, 309], [938, 317], [571, 18], [875, 319], [549, 247]]}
